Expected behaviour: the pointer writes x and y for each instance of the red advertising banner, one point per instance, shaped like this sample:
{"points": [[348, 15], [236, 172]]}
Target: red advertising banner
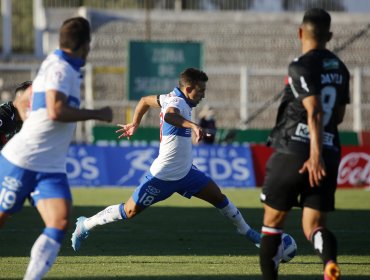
{"points": [[260, 155], [354, 168]]}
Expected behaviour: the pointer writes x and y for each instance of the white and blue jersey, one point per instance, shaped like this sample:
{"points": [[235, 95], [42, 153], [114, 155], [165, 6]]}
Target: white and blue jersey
{"points": [[41, 145], [175, 151], [173, 170], [33, 163]]}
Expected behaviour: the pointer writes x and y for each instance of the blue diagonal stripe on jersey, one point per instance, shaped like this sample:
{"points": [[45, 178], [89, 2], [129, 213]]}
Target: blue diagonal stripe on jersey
{"points": [[39, 101], [169, 129]]}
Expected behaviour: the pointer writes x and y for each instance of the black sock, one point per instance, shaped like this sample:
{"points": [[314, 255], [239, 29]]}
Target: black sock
{"points": [[268, 251], [325, 244]]}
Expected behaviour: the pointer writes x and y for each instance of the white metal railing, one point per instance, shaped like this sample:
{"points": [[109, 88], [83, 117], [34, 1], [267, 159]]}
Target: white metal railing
{"points": [[360, 95], [220, 5]]}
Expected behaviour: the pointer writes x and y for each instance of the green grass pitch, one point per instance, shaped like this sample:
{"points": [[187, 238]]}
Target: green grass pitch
{"points": [[182, 239]]}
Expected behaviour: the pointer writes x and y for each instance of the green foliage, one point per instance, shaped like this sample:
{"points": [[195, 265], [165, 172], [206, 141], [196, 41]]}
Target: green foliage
{"points": [[22, 24], [184, 239]]}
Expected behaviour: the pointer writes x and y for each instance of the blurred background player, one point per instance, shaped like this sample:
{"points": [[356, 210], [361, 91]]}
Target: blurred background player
{"points": [[12, 113], [207, 122], [173, 170], [33, 163], [305, 163]]}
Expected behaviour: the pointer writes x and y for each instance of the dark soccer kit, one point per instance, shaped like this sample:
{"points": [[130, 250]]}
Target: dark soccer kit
{"points": [[9, 123], [318, 72]]}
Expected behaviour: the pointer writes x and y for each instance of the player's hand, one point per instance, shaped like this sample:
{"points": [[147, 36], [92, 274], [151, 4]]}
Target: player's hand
{"points": [[198, 133], [316, 171], [105, 114], [126, 130]]}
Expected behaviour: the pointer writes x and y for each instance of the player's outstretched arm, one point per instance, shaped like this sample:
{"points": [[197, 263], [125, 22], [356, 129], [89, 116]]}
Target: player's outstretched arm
{"points": [[127, 130], [59, 110]]}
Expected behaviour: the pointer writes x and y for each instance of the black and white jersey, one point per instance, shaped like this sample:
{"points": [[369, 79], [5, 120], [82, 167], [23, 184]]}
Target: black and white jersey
{"points": [[9, 123], [318, 72]]}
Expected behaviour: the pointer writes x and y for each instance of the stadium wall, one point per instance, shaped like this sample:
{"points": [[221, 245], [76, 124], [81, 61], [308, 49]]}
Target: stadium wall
{"points": [[231, 40]]}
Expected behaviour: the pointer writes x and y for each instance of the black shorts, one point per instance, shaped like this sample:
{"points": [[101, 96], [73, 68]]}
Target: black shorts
{"points": [[284, 187]]}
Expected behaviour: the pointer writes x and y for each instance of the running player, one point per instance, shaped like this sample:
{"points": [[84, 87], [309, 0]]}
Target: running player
{"points": [[305, 163], [173, 170], [33, 162], [13, 113]]}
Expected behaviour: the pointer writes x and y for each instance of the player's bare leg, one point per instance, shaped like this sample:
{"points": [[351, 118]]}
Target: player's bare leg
{"points": [[323, 241], [110, 214], [55, 213], [271, 247], [212, 194]]}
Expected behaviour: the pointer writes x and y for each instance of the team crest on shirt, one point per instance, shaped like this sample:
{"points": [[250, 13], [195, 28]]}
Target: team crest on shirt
{"points": [[175, 101], [58, 76]]}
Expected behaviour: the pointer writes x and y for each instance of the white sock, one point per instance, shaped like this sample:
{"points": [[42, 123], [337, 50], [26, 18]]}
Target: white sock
{"points": [[108, 215], [43, 254], [233, 214]]}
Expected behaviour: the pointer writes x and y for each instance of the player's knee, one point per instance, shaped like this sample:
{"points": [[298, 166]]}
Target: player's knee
{"points": [[59, 223], [62, 224]]}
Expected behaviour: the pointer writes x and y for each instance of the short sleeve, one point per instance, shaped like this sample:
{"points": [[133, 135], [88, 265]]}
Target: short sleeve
{"points": [[171, 101], [303, 80], [58, 79], [176, 102]]}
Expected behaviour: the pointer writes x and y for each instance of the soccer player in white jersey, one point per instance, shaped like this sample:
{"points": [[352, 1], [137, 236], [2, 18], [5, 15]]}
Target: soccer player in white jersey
{"points": [[173, 170], [33, 162]]}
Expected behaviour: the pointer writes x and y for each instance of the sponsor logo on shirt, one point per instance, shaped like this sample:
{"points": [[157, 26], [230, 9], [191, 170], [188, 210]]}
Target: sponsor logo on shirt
{"points": [[303, 132], [330, 64]]}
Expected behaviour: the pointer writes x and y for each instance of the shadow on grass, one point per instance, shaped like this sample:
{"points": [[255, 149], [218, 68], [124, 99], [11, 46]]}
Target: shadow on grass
{"points": [[179, 231]]}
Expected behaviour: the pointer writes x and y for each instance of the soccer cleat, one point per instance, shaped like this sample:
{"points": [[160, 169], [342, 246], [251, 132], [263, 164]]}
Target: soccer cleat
{"points": [[254, 236], [332, 271], [79, 234]]}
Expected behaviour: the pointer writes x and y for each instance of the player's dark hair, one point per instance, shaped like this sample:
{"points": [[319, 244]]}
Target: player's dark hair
{"points": [[192, 76], [320, 21], [22, 86], [73, 33]]}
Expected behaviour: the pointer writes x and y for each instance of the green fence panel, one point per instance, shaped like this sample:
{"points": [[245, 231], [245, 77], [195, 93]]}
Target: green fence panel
{"points": [[348, 138], [255, 136], [142, 134]]}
